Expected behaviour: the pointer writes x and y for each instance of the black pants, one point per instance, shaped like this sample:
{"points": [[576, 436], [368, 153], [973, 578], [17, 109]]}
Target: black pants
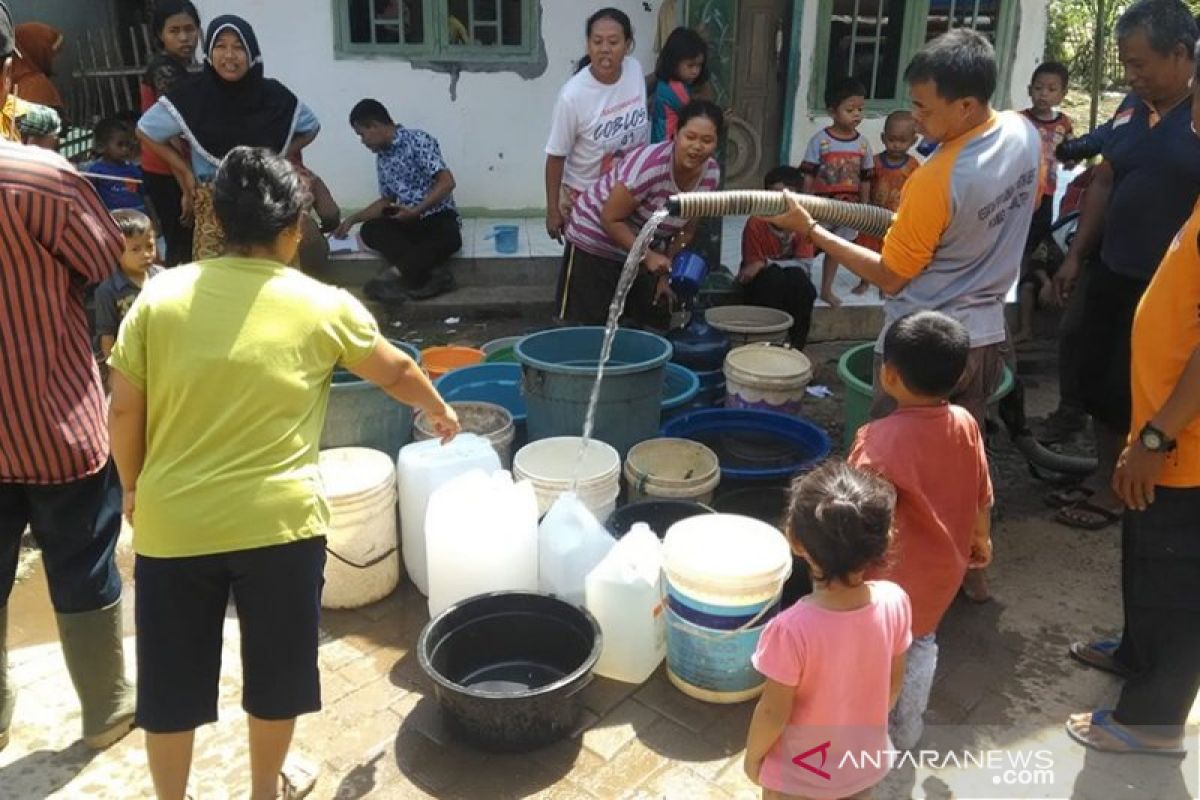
{"points": [[415, 247], [167, 200], [1160, 584], [1107, 328], [1039, 226], [587, 283], [788, 290], [76, 525], [180, 610]]}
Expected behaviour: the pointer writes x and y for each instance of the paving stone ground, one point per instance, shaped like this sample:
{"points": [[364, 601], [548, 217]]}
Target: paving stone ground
{"points": [[1003, 682]]}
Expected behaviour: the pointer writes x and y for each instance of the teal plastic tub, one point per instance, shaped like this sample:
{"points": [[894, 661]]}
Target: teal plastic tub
{"points": [[856, 370], [360, 414], [559, 368]]}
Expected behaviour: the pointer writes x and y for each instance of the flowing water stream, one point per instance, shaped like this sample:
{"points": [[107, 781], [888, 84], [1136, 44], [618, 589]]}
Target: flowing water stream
{"points": [[624, 284]]}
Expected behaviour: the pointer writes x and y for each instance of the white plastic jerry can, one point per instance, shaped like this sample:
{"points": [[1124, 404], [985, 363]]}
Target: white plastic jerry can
{"points": [[624, 593], [570, 543]]}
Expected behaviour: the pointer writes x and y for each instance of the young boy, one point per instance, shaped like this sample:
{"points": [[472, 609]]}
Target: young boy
{"points": [[838, 164], [117, 179], [892, 167], [932, 452], [776, 263], [115, 296], [1046, 91]]}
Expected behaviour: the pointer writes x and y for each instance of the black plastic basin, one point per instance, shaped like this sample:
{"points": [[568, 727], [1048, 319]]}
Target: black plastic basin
{"points": [[658, 514], [508, 667]]}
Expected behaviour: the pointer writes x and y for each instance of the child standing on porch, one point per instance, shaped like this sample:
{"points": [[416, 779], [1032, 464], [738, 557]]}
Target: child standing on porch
{"points": [[943, 490], [892, 167], [834, 660], [682, 69], [838, 164]]}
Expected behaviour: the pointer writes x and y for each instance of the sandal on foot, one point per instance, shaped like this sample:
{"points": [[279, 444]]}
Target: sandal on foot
{"points": [[1072, 516], [1099, 731], [298, 778], [1068, 496], [1099, 655]]}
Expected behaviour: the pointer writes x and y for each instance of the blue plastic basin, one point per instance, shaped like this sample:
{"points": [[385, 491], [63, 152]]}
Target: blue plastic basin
{"points": [[680, 386], [754, 445], [487, 383]]}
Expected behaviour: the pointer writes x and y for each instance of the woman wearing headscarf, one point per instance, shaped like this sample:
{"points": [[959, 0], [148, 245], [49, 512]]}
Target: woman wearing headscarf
{"points": [[176, 26], [230, 103], [39, 44]]}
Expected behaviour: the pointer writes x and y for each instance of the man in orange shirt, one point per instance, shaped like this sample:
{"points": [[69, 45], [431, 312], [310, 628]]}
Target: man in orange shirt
{"points": [[1158, 478]]}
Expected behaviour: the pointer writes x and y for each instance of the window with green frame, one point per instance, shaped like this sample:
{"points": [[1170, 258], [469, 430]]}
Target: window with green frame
{"points": [[439, 30], [873, 40]]}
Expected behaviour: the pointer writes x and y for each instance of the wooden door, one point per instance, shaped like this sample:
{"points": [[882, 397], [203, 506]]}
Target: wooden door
{"points": [[759, 81]]}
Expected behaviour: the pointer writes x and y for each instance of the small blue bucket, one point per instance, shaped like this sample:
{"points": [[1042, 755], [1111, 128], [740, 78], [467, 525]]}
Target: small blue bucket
{"points": [[507, 238], [687, 273]]}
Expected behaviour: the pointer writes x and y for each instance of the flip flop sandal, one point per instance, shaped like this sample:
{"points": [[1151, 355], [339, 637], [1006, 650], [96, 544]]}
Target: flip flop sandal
{"points": [[1068, 496], [1104, 517], [1125, 742], [297, 778], [1099, 655]]}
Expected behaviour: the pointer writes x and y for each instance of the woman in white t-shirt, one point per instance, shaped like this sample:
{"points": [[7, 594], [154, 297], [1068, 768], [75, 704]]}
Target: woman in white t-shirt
{"points": [[600, 114]]}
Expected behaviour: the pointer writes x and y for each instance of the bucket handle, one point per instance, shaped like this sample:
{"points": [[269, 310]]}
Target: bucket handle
{"points": [[532, 380], [356, 565], [695, 630]]}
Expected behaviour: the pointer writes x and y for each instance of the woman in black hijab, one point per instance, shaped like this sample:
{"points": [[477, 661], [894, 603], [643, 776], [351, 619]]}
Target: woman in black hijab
{"points": [[229, 103]]}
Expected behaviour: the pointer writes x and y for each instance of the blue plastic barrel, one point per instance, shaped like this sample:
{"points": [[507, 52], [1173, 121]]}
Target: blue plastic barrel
{"points": [[558, 370], [360, 414]]}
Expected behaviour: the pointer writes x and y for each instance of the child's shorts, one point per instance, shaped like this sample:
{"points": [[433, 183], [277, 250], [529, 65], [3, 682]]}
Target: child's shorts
{"points": [[180, 609]]}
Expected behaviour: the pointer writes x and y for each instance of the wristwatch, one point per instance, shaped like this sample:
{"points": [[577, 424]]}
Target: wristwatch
{"points": [[1155, 440]]}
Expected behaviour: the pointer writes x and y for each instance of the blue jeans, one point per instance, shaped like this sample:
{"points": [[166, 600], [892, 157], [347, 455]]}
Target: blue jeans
{"points": [[76, 525], [906, 723]]}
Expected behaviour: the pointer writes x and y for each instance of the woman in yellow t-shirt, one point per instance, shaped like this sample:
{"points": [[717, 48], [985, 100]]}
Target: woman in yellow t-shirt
{"points": [[221, 375]]}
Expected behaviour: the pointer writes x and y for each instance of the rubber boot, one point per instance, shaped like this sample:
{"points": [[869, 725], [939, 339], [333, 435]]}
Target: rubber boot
{"points": [[92, 648], [8, 692]]}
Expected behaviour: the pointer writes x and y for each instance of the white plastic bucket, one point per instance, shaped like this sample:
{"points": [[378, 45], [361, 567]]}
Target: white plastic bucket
{"points": [[550, 464], [724, 576], [750, 324], [767, 377], [363, 559], [491, 421], [678, 469]]}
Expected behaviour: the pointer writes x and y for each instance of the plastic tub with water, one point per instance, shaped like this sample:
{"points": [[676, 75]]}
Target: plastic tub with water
{"points": [[489, 420], [360, 414], [508, 668], [559, 369], [676, 469], [551, 465], [441, 360], [749, 324], [752, 445]]}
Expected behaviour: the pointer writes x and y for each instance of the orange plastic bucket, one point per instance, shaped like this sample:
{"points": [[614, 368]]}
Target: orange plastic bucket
{"points": [[437, 361]]}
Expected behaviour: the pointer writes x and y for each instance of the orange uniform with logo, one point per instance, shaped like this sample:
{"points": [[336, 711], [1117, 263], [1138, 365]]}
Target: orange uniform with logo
{"points": [[1166, 332]]}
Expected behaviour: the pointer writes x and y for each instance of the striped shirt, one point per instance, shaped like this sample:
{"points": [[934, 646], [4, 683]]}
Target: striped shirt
{"points": [[56, 237], [648, 175]]}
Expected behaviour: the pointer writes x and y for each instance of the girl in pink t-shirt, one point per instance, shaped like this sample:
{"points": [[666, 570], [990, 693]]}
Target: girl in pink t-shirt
{"points": [[835, 660]]}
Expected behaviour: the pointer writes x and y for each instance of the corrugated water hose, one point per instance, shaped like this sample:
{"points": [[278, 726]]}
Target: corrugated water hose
{"points": [[868, 219]]}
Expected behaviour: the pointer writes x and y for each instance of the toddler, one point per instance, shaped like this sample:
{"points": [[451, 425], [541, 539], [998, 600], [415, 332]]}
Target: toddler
{"points": [[117, 179], [943, 490], [834, 660], [115, 296], [838, 164], [1047, 90], [776, 263], [892, 167], [682, 69]]}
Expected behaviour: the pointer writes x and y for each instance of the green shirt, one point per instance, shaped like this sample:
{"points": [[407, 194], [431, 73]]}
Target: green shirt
{"points": [[235, 357]]}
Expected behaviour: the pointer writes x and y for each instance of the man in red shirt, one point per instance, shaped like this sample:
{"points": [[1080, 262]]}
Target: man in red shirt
{"points": [[56, 477], [775, 263]]}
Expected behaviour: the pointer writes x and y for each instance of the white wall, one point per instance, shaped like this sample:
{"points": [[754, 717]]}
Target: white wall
{"points": [[492, 135], [1030, 44]]}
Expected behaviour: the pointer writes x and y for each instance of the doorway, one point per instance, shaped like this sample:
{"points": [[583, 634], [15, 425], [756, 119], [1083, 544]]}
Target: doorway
{"points": [[756, 122]]}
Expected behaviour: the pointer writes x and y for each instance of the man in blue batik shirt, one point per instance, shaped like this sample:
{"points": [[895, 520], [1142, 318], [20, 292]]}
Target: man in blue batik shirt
{"points": [[414, 223]]}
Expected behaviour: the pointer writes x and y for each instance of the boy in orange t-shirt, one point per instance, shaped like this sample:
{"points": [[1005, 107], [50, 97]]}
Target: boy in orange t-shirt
{"points": [[943, 490], [892, 167]]}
